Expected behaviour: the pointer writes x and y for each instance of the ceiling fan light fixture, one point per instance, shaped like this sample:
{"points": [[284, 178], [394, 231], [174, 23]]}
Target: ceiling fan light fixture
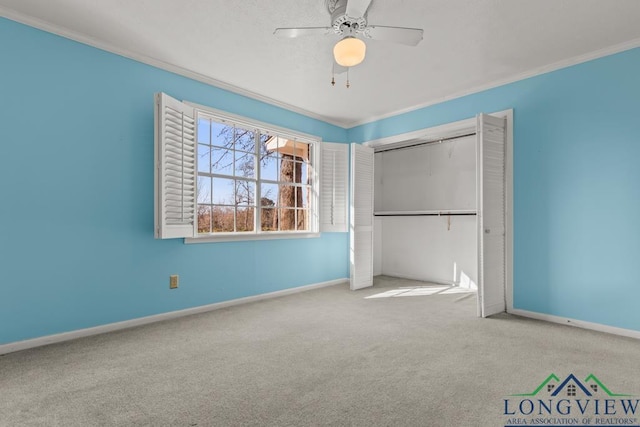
{"points": [[349, 51]]}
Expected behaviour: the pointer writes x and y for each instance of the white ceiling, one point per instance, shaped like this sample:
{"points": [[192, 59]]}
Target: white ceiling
{"points": [[468, 45]]}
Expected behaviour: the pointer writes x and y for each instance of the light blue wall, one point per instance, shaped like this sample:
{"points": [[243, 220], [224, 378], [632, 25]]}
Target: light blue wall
{"points": [[76, 179], [576, 184]]}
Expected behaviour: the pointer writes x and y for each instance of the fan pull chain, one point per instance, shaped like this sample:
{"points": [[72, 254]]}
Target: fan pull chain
{"points": [[333, 74]]}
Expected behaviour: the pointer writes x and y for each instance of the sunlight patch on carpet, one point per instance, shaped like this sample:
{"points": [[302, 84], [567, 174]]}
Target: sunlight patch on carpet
{"points": [[419, 291]]}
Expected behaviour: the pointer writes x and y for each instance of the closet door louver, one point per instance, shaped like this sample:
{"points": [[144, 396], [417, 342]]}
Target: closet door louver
{"points": [[361, 238], [175, 168], [334, 178]]}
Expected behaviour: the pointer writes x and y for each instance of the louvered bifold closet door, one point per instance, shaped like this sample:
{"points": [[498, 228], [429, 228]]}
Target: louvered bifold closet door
{"points": [[361, 238], [176, 169], [491, 216], [334, 181]]}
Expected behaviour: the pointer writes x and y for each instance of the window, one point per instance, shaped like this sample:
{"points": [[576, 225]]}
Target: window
{"points": [[252, 180], [571, 390], [223, 177], [550, 387]]}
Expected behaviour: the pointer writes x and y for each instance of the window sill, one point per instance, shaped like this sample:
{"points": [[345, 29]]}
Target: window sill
{"points": [[209, 238]]}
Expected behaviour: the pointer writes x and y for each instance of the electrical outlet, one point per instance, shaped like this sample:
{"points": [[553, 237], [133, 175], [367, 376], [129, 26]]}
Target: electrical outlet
{"points": [[173, 281]]}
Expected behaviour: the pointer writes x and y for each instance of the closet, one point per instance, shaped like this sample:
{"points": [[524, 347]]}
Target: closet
{"points": [[441, 209], [425, 211]]}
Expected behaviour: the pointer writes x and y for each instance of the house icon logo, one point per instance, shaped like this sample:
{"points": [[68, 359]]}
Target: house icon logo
{"points": [[571, 387], [571, 401]]}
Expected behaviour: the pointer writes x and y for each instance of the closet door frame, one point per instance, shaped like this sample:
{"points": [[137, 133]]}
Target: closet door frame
{"points": [[459, 128]]}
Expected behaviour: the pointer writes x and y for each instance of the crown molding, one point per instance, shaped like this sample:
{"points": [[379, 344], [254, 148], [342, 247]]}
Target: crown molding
{"points": [[600, 53], [90, 41], [75, 36]]}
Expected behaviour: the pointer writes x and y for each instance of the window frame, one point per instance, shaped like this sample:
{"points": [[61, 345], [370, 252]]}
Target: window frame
{"points": [[259, 128]]}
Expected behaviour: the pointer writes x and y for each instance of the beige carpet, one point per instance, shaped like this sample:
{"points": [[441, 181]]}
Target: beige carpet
{"points": [[324, 357]]}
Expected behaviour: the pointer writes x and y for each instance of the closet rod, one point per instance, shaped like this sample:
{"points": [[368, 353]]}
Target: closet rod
{"points": [[433, 141]]}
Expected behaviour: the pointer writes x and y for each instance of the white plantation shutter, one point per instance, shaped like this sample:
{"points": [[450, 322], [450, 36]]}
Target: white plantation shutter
{"points": [[175, 168], [491, 214], [361, 239], [334, 180]]}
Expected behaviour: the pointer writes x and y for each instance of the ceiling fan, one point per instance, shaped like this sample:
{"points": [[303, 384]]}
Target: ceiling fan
{"points": [[349, 20]]}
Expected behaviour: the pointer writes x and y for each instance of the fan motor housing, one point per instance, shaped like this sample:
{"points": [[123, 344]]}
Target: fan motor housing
{"points": [[341, 22]]}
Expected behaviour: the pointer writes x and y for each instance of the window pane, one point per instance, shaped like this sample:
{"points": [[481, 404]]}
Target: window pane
{"points": [[287, 219], [245, 164], [300, 150], [287, 167], [303, 197], [275, 145], [304, 170], [203, 158], [290, 196], [245, 193], [275, 160], [222, 161], [204, 189], [223, 191], [267, 216], [222, 219], [302, 218], [297, 172], [264, 140], [273, 153], [204, 219], [203, 131], [269, 194], [222, 135], [269, 169], [245, 140], [245, 219]]}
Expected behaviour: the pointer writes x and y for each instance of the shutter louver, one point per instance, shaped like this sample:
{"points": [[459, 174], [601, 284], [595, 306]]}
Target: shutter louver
{"points": [[334, 181], [176, 169]]}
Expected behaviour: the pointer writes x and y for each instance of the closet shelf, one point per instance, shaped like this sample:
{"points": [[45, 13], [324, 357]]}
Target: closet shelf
{"points": [[425, 213]]}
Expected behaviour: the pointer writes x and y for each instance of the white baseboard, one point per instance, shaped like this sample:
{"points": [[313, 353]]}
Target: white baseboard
{"points": [[66, 336], [577, 323]]}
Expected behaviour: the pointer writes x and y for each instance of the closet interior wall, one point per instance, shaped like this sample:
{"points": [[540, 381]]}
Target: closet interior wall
{"points": [[424, 206]]}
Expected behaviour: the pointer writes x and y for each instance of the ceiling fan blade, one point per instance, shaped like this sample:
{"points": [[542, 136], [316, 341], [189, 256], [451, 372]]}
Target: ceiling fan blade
{"points": [[301, 32], [408, 36], [357, 8]]}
